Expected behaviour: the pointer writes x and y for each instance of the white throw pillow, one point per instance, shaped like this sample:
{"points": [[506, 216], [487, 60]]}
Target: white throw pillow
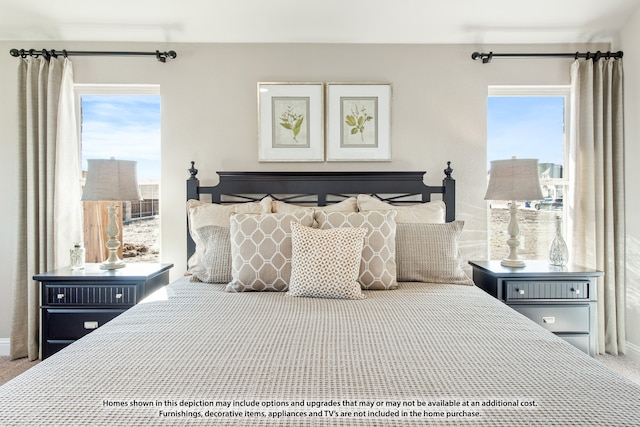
{"points": [[423, 213], [200, 214]]}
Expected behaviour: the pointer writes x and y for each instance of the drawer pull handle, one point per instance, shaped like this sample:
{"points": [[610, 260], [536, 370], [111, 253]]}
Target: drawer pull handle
{"points": [[520, 291], [91, 325], [118, 296], [577, 291], [60, 296], [549, 319]]}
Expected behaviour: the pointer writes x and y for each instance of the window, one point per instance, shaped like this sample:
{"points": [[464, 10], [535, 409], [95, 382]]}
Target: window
{"points": [[529, 122], [123, 122]]}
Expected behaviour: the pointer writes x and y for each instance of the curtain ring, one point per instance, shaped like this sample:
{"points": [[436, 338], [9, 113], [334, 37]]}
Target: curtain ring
{"points": [[64, 52], [577, 56]]}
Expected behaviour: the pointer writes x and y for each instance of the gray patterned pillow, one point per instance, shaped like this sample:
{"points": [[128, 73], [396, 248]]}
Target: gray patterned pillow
{"points": [[216, 255], [326, 263], [429, 253], [378, 263], [261, 250]]}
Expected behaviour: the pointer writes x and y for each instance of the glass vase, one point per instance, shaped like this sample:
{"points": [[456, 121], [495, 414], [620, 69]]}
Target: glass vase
{"points": [[558, 251], [77, 257]]}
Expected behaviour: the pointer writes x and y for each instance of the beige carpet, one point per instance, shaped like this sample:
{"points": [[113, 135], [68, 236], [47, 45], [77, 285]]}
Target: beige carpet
{"points": [[622, 364], [12, 368]]}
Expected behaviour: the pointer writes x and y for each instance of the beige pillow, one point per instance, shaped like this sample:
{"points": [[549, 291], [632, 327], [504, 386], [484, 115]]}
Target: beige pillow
{"points": [[347, 205], [216, 255], [261, 250], [423, 213], [325, 263], [429, 253], [201, 213], [378, 264]]}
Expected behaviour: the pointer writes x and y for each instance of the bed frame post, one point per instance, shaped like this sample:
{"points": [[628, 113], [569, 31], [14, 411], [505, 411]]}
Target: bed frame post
{"points": [[192, 193], [449, 196], [193, 183]]}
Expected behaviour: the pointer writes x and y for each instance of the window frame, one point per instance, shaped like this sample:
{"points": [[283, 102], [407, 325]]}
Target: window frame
{"points": [[82, 89], [545, 91]]}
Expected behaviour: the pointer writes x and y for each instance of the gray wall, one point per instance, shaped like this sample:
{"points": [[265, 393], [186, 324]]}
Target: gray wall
{"points": [[209, 115]]}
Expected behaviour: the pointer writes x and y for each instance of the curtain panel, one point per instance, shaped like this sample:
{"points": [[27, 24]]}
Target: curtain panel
{"points": [[49, 209], [597, 205]]}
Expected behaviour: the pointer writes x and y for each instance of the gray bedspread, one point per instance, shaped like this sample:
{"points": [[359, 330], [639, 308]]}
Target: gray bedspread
{"points": [[422, 354]]}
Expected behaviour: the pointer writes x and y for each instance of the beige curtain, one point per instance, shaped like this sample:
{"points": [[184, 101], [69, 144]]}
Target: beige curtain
{"points": [[597, 198], [49, 208]]}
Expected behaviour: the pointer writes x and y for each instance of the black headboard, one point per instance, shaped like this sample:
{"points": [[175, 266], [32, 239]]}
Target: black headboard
{"points": [[322, 188]]}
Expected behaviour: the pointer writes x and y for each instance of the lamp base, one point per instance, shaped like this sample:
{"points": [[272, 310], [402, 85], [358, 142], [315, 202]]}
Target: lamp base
{"points": [[112, 265], [514, 263], [113, 261]]}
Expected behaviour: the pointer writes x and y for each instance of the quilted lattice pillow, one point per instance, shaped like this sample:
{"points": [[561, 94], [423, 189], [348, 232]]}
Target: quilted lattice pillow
{"points": [[378, 263], [423, 213], [429, 253], [326, 263], [216, 255], [261, 250]]}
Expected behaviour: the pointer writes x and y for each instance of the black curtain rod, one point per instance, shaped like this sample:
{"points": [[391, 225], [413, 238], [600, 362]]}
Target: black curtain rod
{"points": [[160, 56], [486, 57]]}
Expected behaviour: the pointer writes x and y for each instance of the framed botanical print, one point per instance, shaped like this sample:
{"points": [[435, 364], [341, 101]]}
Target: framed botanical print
{"points": [[359, 122], [291, 122]]}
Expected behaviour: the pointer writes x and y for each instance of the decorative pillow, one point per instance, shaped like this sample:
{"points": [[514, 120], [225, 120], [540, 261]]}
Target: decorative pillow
{"points": [[347, 205], [216, 255], [378, 264], [205, 213], [429, 253], [326, 263], [261, 250], [422, 213]]}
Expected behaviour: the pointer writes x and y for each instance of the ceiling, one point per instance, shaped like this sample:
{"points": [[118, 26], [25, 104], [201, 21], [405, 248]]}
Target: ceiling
{"points": [[315, 21]]}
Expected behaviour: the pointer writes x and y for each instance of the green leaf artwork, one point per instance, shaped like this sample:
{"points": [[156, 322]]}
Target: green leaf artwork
{"points": [[291, 121], [357, 120]]}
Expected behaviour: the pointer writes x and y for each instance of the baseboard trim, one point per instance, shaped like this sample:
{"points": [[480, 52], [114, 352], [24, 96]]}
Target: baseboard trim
{"points": [[633, 351], [5, 346]]}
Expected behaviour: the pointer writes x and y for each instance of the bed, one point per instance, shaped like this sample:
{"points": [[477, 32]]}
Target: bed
{"points": [[389, 353]]}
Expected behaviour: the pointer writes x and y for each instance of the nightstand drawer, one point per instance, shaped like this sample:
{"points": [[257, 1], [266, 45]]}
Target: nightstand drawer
{"points": [[63, 324], [558, 318], [536, 289], [120, 295]]}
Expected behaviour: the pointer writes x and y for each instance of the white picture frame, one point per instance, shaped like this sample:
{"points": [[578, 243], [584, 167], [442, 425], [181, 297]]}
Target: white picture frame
{"points": [[358, 121], [291, 122]]}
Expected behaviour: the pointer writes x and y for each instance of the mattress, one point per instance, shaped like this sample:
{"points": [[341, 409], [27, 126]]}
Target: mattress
{"points": [[193, 354]]}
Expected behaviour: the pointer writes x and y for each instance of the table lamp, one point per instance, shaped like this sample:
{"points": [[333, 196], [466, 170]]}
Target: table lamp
{"points": [[116, 181], [514, 179]]}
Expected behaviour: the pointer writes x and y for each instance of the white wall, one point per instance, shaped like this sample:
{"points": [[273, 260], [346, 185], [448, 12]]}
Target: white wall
{"points": [[629, 43], [209, 115]]}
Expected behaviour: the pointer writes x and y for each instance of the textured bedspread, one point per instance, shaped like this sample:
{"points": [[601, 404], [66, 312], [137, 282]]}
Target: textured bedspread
{"points": [[422, 354]]}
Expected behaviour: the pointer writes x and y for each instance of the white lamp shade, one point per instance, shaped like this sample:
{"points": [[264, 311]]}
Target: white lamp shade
{"points": [[111, 180], [514, 179]]}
